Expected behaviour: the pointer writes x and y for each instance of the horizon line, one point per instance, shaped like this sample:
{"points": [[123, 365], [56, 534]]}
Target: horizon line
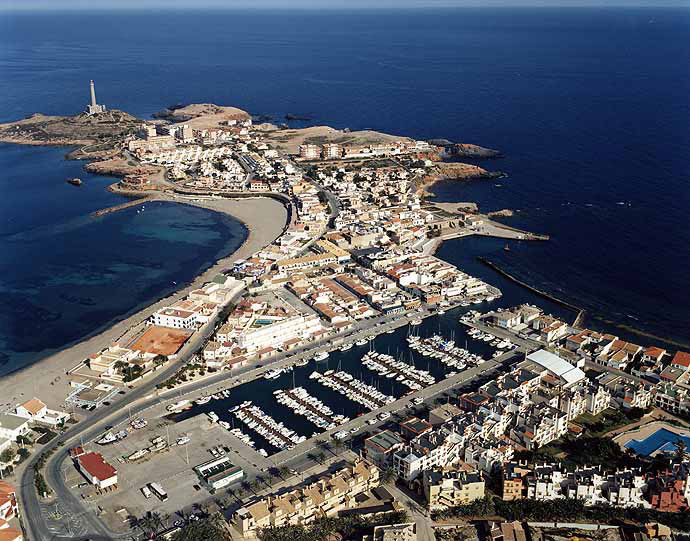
{"points": [[215, 7]]}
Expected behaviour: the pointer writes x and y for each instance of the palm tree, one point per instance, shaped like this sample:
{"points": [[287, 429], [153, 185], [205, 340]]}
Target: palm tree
{"points": [[681, 453], [255, 485], [321, 458], [156, 521], [324, 445], [387, 475], [283, 471]]}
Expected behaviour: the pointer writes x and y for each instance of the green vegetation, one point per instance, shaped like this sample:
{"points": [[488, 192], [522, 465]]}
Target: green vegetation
{"points": [[610, 419], [593, 449], [349, 527], [213, 527], [565, 509], [41, 485], [8, 455]]}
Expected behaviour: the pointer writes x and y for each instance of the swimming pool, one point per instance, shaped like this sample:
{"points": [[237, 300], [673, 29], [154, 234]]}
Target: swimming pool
{"points": [[662, 440]]}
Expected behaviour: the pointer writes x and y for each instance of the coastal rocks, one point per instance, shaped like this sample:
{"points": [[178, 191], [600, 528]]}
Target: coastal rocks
{"points": [[120, 167], [202, 115], [503, 212], [100, 131], [465, 150], [290, 116], [463, 171], [468, 207]]}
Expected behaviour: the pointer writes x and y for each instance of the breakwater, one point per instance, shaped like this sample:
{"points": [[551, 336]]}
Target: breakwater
{"points": [[533, 289]]}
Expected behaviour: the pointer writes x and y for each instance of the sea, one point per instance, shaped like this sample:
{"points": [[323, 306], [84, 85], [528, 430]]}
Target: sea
{"points": [[590, 107]]}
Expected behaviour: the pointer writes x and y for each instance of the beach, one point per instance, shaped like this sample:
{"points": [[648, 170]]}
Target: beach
{"points": [[46, 379]]}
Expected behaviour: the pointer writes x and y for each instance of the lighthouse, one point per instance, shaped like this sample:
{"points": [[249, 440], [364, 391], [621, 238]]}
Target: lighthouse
{"points": [[93, 108]]}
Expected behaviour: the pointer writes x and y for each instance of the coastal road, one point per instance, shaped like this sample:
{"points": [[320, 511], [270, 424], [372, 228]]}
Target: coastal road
{"points": [[85, 431], [93, 426], [140, 399]]}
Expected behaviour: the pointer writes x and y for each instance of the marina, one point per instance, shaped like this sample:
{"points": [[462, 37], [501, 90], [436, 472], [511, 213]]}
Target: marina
{"points": [[352, 388], [386, 365], [302, 403], [274, 432], [445, 350]]}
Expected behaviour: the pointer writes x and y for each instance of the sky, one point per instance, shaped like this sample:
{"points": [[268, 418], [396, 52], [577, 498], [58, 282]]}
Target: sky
{"points": [[318, 4]]}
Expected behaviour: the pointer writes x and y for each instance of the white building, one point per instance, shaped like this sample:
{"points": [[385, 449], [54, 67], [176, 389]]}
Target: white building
{"points": [[13, 426], [257, 336], [38, 412]]}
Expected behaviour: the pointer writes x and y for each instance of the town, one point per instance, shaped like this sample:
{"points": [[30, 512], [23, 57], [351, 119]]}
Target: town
{"points": [[343, 380]]}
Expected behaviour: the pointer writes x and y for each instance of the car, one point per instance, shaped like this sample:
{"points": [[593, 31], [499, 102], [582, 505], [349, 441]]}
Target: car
{"points": [[178, 523], [196, 487], [384, 415], [91, 408], [373, 421], [106, 403], [354, 430], [121, 392]]}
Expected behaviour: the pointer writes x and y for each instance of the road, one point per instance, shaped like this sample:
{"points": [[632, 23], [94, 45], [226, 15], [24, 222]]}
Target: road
{"points": [[86, 430], [139, 399], [133, 402]]}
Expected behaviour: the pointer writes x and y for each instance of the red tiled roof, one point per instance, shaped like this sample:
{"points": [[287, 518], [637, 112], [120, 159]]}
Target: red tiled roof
{"points": [[681, 358], [96, 466]]}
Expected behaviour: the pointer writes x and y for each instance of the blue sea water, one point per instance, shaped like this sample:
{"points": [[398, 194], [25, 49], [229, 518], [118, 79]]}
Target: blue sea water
{"points": [[64, 275], [591, 108]]}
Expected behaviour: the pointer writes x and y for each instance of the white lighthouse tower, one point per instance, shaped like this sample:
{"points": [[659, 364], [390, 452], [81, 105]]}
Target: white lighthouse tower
{"points": [[93, 108]]}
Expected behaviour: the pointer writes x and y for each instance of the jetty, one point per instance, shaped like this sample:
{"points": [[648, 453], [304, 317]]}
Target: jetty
{"points": [[123, 206]]}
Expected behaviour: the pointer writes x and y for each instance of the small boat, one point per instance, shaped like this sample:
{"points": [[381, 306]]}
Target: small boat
{"points": [[107, 438], [302, 362], [183, 440], [74, 181], [416, 321], [345, 347], [361, 342], [322, 356], [202, 400]]}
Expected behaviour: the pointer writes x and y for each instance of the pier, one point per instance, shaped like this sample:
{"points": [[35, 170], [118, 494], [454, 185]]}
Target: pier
{"points": [[316, 411], [342, 382], [123, 206]]}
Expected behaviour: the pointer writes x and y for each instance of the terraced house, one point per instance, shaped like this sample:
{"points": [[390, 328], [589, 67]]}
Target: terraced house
{"points": [[302, 505]]}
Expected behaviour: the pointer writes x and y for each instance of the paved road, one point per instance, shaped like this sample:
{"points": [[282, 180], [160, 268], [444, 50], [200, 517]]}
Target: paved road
{"points": [[423, 522], [86, 430], [134, 402], [140, 399]]}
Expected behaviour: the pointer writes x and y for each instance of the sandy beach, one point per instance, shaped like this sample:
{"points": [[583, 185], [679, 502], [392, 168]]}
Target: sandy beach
{"points": [[46, 379]]}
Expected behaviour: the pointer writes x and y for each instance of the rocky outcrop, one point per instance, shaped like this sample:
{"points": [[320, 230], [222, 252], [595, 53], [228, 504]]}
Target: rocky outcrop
{"points": [[463, 150], [503, 212], [102, 130]]}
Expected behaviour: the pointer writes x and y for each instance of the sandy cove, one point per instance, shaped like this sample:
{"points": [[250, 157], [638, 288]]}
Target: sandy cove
{"points": [[46, 379]]}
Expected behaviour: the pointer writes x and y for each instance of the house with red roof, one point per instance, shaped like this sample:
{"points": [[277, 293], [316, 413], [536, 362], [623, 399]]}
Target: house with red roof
{"points": [[681, 359], [95, 468]]}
